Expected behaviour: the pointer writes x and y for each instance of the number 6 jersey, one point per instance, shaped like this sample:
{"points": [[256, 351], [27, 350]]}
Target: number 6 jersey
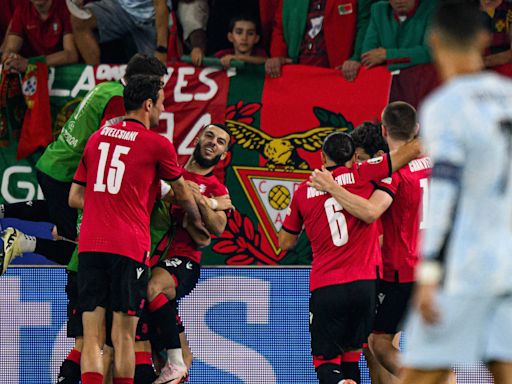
{"points": [[344, 248], [121, 169]]}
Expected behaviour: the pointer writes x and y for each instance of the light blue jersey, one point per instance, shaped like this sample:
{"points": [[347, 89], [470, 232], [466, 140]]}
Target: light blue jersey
{"points": [[467, 128]]}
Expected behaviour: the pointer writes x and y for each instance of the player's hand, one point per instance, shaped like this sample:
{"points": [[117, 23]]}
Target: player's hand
{"points": [[322, 180], [273, 65], [426, 304], [196, 56], [226, 60], [374, 57], [223, 203], [193, 187], [350, 69]]}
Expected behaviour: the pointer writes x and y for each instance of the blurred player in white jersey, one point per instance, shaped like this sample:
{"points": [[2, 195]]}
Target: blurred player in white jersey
{"points": [[463, 306]]}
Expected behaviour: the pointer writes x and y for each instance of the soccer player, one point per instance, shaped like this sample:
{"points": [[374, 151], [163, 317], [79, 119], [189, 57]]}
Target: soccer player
{"points": [[116, 184], [177, 275], [463, 305], [401, 201], [57, 165], [346, 257]]}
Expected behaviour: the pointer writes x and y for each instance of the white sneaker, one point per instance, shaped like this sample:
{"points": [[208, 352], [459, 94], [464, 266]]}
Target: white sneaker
{"points": [[172, 374], [10, 249]]}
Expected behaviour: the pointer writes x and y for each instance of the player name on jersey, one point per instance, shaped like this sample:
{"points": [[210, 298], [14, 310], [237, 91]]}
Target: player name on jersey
{"points": [[420, 164], [119, 133], [343, 179]]}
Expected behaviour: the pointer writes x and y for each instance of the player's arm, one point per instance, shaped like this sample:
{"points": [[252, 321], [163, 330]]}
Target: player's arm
{"points": [[184, 198], [76, 195], [406, 153], [287, 240], [214, 220]]}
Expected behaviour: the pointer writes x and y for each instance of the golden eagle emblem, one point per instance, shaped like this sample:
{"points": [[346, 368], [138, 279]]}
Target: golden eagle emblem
{"points": [[282, 151]]}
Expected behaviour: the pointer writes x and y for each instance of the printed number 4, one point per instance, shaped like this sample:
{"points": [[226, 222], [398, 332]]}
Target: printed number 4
{"points": [[337, 222], [115, 171]]}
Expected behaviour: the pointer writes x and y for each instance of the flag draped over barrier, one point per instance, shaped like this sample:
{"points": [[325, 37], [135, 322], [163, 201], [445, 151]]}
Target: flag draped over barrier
{"points": [[277, 128]]}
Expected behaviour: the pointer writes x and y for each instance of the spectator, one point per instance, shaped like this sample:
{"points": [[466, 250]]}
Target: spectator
{"points": [[244, 36], [396, 35], [146, 21], [499, 14], [193, 17], [6, 10], [39, 28], [350, 67], [312, 32]]}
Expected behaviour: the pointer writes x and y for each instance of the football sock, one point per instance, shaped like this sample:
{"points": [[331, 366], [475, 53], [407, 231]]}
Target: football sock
{"points": [[162, 316], [69, 372], [59, 251], [144, 372], [329, 373], [92, 378], [27, 243], [34, 210], [122, 380]]}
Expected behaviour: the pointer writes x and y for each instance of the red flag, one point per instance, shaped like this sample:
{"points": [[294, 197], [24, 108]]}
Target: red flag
{"points": [[37, 128]]}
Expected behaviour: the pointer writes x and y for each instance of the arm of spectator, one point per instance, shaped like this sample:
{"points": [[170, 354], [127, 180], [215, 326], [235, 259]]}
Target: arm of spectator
{"points": [[500, 58], [12, 46], [273, 65], [372, 37], [374, 57], [185, 199], [398, 58], [197, 41], [363, 21], [68, 55], [350, 69], [76, 196], [161, 28], [367, 210], [226, 59], [193, 17]]}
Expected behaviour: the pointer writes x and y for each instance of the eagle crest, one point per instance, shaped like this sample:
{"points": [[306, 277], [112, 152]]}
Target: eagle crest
{"points": [[282, 151]]}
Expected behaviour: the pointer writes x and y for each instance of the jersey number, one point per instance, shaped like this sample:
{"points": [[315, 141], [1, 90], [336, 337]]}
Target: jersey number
{"points": [[337, 222], [115, 169], [424, 185]]}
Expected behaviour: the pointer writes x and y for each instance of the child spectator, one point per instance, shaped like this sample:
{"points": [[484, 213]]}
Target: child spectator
{"points": [[243, 34], [39, 28]]}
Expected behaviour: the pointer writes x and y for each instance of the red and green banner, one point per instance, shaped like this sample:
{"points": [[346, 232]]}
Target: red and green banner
{"points": [[277, 126]]}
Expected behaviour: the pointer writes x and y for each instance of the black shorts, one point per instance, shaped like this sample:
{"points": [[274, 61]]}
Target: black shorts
{"points": [[111, 281], [56, 194], [74, 327], [185, 271], [341, 317], [392, 303]]}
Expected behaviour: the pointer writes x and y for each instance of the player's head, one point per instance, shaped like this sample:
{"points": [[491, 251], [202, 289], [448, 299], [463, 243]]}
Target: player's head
{"points": [[458, 27], [144, 95], [338, 147], [243, 34], [141, 64], [212, 145], [399, 121], [368, 141]]}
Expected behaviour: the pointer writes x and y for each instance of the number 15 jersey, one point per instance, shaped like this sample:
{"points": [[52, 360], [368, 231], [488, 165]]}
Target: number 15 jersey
{"points": [[345, 249], [121, 169]]}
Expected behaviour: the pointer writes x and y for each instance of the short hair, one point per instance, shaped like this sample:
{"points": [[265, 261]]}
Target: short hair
{"points": [[141, 64], [459, 22], [244, 17], [400, 120], [369, 137], [339, 147], [139, 89], [222, 126]]}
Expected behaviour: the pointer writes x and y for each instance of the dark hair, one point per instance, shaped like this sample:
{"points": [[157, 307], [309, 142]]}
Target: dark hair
{"points": [[244, 17], [141, 64], [222, 126], [369, 137], [459, 22], [139, 89], [339, 147], [400, 120]]}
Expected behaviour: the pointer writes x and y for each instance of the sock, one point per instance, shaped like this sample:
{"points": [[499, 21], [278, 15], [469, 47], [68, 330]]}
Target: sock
{"points": [[58, 251], [69, 372], [92, 378], [122, 380], [27, 243], [329, 373], [35, 210], [175, 356], [162, 316], [351, 371], [144, 372]]}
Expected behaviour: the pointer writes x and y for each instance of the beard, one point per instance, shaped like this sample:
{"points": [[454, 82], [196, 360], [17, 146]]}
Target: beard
{"points": [[199, 159]]}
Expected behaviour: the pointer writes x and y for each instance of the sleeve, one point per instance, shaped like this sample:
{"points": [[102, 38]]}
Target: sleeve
{"points": [[371, 38], [168, 168], [363, 21], [113, 109], [278, 47], [444, 138], [81, 172], [293, 220], [398, 58], [389, 185], [375, 169], [17, 25]]}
